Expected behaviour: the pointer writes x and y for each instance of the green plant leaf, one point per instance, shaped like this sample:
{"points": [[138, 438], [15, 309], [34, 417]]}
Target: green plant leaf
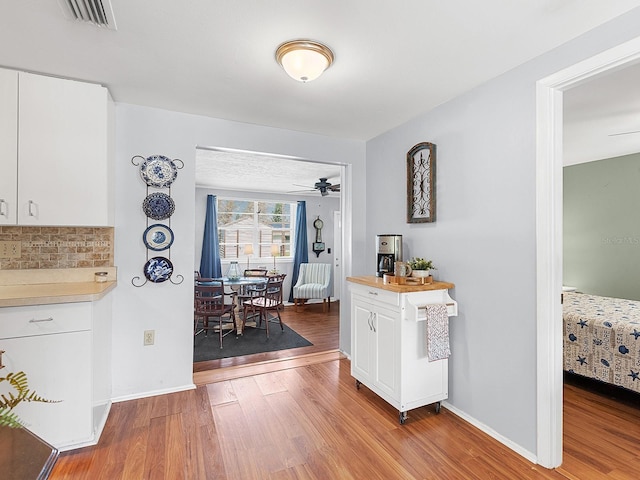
{"points": [[419, 263], [8, 419], [10, 400]]}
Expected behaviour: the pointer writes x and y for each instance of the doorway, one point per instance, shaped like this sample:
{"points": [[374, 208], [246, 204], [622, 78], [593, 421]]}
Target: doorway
{"points": [[268, 177], [549, 239]]}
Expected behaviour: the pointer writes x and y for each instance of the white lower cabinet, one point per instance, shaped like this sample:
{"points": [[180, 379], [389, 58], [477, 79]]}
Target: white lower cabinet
{"points": [[389, 347], [375, 345], [60, 347], [54, 372]]}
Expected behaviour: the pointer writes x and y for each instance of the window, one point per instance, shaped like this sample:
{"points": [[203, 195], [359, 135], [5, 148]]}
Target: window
{"points": [[262, 225]]}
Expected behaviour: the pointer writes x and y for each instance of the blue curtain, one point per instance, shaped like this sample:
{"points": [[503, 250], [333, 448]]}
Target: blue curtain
{"points": [[300, 248], [210, 260]]}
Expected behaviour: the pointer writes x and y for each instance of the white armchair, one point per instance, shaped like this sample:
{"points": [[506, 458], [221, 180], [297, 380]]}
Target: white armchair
{"points": [[314, 281]]}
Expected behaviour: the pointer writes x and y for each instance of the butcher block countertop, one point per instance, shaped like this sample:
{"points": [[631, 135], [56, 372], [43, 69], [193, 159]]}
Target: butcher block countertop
{"points": [[49, 286], [377, 282]]}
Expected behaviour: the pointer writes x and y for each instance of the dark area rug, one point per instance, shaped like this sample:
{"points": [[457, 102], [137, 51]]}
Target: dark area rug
{"points": [[254, 340]]}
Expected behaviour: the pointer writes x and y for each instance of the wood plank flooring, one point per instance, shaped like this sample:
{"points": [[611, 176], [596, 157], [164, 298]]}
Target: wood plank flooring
{"points": [[308, 421], [601, 431], [320, 328]]}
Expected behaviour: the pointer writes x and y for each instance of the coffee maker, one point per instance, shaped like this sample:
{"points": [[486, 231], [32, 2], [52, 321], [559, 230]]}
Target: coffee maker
{"points": [[388, 251]]}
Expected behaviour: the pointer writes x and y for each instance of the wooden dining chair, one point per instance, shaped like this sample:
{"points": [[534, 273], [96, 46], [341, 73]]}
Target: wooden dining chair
{"points": [[250, 291], [209, 303], [269, 299], [252, 272], [255, 272]]}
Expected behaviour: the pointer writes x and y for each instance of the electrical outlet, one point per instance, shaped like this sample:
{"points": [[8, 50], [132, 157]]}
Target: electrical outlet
{"points": [[149, 337], [10, 249]]}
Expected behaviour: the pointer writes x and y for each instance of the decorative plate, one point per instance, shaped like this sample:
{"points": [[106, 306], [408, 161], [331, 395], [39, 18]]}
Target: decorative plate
{"points": [[158, 171], [158, 269], [158, 237], [158, 206]]}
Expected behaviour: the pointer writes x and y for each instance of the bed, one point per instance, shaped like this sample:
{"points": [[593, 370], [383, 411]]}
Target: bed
{"points": [[602, 338]]}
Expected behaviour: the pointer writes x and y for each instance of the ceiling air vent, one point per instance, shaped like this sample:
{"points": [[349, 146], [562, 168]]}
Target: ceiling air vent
{"points": [[97, 12]]}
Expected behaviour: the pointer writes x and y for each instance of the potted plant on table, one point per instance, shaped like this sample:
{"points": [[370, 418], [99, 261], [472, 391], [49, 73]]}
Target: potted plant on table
{"points": [[421, 268]]}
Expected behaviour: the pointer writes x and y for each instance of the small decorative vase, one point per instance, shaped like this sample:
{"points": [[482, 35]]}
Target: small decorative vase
{"points": [[234, 271]]}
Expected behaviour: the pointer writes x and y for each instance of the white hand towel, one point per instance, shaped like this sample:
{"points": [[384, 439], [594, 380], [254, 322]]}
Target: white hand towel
{"points": [[437, 332]]}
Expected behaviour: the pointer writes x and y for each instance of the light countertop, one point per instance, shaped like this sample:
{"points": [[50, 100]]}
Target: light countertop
{"points": [[44, 287], [377, 282]]}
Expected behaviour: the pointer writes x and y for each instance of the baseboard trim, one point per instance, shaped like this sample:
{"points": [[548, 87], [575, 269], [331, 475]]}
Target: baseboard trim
{"points": [[152, 393], [492, 433]]}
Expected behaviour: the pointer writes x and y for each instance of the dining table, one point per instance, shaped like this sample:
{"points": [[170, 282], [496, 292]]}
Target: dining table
{"points": [[236, 284]]}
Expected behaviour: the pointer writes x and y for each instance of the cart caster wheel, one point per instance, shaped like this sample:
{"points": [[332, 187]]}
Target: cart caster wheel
{"points": [[358, 384], [437, 407], [402, 417]]}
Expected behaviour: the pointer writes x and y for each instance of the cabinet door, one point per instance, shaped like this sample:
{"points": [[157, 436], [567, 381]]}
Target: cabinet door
{"points": [[63, 140], [387, 358], [8, 146], [58, 367], [362, 344]]}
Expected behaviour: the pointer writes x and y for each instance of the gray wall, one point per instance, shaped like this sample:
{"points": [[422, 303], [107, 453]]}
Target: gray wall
{"points": [[602, 227], [484, 239]]}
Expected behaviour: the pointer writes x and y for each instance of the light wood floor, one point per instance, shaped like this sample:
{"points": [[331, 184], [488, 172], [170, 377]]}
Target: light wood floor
{"points": [[308, 421], [601, 431]]}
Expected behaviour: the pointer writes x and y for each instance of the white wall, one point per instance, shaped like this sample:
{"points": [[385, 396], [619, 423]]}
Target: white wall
{"points": [[167, 308], [484, 237], [316, 205]]}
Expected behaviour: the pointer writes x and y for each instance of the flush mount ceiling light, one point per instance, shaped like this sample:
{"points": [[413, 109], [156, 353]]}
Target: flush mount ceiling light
{"points": [[304, 60]]}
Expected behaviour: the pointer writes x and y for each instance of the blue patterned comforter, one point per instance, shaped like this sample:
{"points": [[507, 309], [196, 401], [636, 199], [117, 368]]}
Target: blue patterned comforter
{"points": [[602, 338]]}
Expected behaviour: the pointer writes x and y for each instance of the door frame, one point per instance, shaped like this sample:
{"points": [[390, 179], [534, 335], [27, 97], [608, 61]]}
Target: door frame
{"points": [[337, 254], [549, 109]]}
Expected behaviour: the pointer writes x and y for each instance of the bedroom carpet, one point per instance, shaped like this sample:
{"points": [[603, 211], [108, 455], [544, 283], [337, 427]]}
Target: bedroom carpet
{"points": [[254, 340]]}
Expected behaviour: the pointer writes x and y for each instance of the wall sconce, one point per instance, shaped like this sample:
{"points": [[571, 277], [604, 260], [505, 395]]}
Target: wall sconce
{"points": [[304, 60], [275, 252], [248, 251]]}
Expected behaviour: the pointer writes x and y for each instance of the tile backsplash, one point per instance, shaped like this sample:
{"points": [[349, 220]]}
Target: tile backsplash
{"points": [[58, 247]]}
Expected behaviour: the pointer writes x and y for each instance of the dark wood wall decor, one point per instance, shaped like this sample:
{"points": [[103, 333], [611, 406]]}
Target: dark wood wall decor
{"points": [[421, 180], [318, 245]]}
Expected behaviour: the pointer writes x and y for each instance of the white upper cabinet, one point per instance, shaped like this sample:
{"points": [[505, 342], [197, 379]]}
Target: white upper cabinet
{"points": [[64, 153], [8, 146]]}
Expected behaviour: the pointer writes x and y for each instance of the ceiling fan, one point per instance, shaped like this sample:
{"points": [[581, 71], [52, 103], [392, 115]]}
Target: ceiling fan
{"points": [[322, 186]]}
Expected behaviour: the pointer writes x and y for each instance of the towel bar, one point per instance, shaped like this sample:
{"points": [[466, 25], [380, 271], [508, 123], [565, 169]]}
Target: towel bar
{"points": [[427, 304], [420, 315]]}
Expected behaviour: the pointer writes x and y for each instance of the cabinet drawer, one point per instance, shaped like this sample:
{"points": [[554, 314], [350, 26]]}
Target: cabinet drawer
{"points": [[376, 294], [44, 319]]}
